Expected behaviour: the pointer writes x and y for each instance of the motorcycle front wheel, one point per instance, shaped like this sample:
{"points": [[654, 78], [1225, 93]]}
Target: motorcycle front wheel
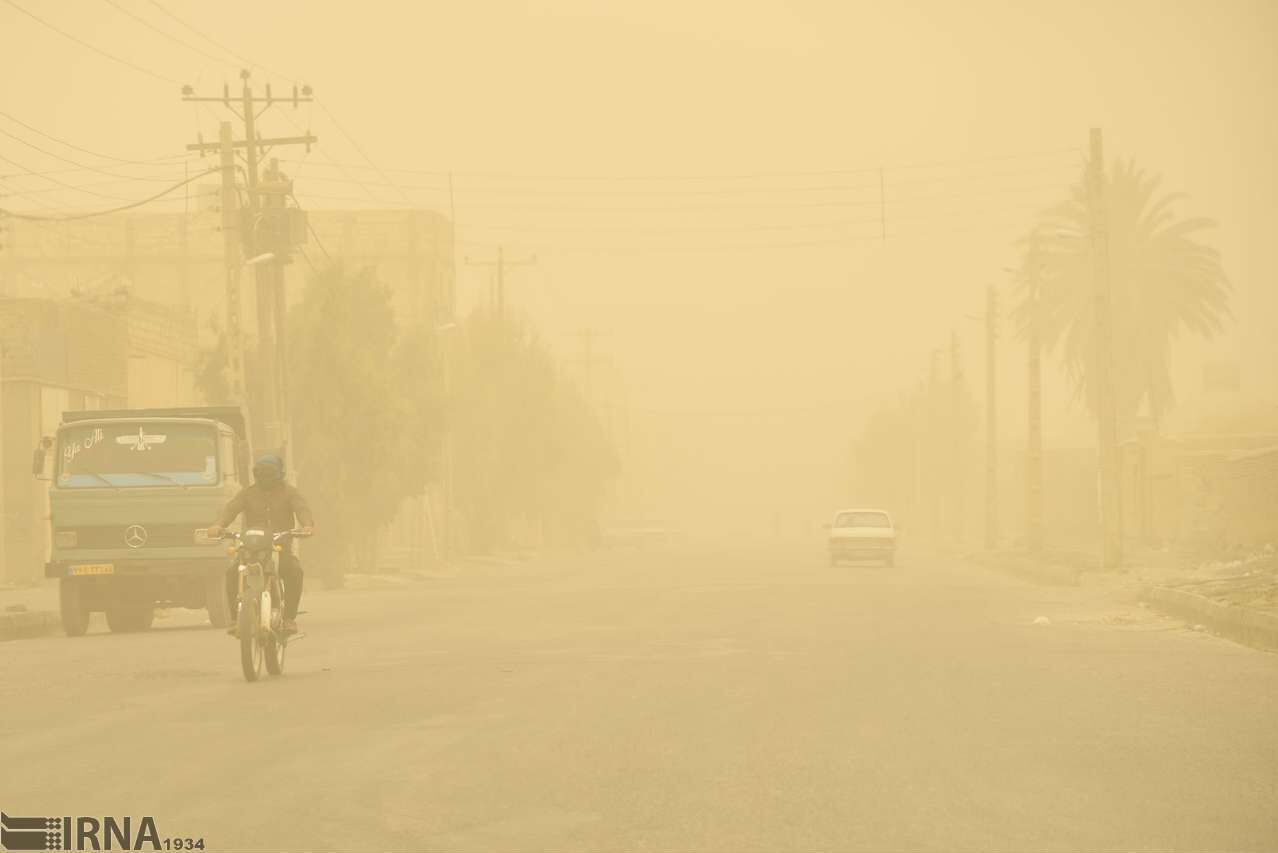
{"points": [[251, 651], [273, 651]]}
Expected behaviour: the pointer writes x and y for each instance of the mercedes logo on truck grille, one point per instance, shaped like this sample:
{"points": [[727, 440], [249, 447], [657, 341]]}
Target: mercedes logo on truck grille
{"points": [[135, 536]]}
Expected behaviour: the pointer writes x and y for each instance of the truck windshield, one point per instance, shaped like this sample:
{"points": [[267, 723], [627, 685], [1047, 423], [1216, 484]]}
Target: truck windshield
{"points": [[862, 519], [137, 454]]}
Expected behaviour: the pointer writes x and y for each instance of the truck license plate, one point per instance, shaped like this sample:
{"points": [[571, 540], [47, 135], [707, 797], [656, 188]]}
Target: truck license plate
{"points": [[93, 569]]}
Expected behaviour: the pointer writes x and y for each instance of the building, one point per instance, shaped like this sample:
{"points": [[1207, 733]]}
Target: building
{"points": [[178, 259], [172, 267], [57, 356]]}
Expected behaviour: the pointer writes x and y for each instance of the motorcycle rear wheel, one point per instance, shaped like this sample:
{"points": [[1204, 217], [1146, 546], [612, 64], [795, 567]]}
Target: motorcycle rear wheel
{"points": [[251, 652], [274, 654]]}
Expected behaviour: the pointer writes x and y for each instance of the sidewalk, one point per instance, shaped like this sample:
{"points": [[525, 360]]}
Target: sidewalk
{"points": [[1236, 598], [29, 611], [32, 611]]}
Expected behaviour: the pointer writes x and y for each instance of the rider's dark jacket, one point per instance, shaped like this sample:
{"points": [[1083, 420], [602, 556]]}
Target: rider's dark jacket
{"points": [[275, 509]]}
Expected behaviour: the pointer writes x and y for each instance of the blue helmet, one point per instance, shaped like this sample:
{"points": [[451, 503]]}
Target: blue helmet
{"points": [[268, 469]]}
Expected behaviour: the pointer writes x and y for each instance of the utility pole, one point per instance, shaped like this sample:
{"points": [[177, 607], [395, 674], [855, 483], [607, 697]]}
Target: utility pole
{"points": [[497, 297], [267, 252], [1110, 496], [991, 414], [588, 361], [272, 193], [959, 457], [933, 446], [231, 253], [1034, 460]]}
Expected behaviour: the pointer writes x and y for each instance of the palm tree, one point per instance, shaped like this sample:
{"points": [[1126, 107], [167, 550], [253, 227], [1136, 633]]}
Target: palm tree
{"points": [[1163, 282]]}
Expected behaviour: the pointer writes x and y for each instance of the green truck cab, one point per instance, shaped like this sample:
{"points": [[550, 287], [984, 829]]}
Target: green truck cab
{"points": [[131, 493]]}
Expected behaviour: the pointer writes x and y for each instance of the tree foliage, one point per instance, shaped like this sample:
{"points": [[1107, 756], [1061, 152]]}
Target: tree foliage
{"points": [[359, 420], [371, 404], [528, 450], [1163, 282], [211, 366]]}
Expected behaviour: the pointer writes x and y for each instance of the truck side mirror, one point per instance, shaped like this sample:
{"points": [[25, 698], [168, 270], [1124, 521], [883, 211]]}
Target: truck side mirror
{"points": [[37, 462]]}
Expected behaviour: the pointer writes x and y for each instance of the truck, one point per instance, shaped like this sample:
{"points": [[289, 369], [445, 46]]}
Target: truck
{"points": [[131, 492]]}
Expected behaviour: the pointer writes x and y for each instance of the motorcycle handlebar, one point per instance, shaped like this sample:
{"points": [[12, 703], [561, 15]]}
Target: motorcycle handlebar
{"points": [[277, 537]]}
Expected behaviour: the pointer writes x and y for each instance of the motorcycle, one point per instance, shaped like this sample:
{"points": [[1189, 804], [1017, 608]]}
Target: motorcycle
{"points": [[260, 607]]}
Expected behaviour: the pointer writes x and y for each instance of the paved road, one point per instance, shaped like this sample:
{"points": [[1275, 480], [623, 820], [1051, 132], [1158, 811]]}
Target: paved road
{"points": [[694, 699]]}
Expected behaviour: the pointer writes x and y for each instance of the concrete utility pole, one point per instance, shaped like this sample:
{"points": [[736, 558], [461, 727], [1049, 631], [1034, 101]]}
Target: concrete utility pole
{"points": [[1034, 460], [588, 361], [231, 253], [991, 415], [272, 193], [267, 252], [934, 486], [959, 458], [1110, 496], [497, 297]]}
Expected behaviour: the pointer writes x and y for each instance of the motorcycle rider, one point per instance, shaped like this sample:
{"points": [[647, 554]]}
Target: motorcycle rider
{"points": [[273, 505]]}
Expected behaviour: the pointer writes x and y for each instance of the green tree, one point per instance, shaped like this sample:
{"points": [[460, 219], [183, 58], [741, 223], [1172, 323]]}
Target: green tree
{"points": [[1163, 282], [211, 366], [356, 412], [527, 450]]}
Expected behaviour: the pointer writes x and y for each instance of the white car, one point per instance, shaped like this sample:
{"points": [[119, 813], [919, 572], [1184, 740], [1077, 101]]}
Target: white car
{"points": [[862, 534]]}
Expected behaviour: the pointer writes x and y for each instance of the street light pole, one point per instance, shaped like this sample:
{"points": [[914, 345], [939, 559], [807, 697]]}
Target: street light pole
{"points": [[991, 413], [449, 534], [1034, 416], [1109, 496]]}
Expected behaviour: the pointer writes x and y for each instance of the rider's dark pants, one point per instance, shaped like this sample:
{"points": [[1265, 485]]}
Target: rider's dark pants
{"points": [[290, 574]]}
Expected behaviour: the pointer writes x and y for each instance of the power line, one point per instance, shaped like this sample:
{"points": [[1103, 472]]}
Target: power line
{"points": [[247, 60], [692, 229], [93, 47], [123, 207], [374, 199], [638, 249], [51, 137], [33, 173], [325, 155], [723, 177], [1025, 155], [31, 194], [58, 189], [357, 146], [150, 26], [217, 43], [661, 208], [609, 192], [62, 183], [49, 153], [311, 228]]}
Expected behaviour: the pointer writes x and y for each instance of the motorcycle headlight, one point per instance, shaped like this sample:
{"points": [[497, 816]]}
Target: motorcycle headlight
{"points": [[66, 538]]}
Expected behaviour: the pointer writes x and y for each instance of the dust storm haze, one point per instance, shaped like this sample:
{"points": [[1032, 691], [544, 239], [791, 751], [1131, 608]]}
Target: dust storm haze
{"points": [[722, 426]]}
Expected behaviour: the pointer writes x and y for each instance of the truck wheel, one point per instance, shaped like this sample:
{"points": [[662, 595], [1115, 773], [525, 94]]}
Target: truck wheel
{"points": [[220, 613], [144, 615], [128, 613], [73, 606]]}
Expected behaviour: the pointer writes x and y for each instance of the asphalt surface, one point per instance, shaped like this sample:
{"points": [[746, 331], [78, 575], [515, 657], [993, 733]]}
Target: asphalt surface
{"points": [[683, 699]]}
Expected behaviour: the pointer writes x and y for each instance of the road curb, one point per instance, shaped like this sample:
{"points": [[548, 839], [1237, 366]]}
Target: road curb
{"points": [[25, 624], [1039, 573], [1240, 624]]}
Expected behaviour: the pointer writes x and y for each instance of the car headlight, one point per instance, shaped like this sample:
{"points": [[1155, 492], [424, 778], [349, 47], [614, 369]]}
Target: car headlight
{"points": [[66, 538]]}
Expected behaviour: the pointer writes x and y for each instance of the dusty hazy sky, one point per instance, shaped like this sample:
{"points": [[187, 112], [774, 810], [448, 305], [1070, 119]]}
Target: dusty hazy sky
{"points": [[803, 335]]}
